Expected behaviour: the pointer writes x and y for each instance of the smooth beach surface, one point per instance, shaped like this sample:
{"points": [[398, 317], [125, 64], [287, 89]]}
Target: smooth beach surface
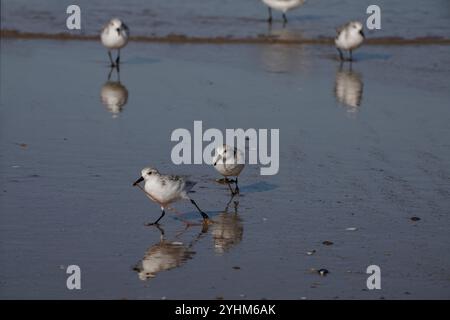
{"points": [[68, 162]]}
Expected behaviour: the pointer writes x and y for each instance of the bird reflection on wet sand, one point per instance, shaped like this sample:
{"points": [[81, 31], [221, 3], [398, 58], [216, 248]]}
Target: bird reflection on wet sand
{"points": [[348, 88], [165, 255], [114, 95], [283, 58], [227, 229]]}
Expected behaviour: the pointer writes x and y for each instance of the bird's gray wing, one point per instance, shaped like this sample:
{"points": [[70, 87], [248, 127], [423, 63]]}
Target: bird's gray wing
{"points": [[188, 184], [126, 29]]}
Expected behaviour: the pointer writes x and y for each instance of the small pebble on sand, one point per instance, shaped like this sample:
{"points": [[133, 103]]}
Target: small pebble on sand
{"points": [[323, 272]]}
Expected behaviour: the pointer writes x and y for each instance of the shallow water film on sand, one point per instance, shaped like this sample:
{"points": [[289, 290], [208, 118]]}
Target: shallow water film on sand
{"points": [[355, 206]]}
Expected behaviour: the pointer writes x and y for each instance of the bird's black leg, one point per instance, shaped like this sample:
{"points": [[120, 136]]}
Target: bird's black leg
{"points": [[351, 56], [284, 19], [110, 58], [233, 192], [204, 215], [118, 57], [269, 20], [110, 73], [341, 56], [236, 190], [156, 222]]}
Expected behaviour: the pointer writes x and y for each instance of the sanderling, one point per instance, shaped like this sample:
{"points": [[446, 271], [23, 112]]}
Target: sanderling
{"points": [[229, 162], [166, 189], [115, 35], [349, 37], [283, 6]]}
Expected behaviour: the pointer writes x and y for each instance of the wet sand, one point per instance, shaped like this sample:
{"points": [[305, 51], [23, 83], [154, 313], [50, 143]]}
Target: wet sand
{"points": [[365, 148], [278, 38]]}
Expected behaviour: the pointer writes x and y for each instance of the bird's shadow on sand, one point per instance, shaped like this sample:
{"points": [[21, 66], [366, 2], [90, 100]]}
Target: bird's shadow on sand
{"points": [[261, 186], [361, 56]]}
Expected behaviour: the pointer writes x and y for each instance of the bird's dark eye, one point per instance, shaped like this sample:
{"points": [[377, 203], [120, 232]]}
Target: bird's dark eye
{"points": [[149, 172], [118, 29]]}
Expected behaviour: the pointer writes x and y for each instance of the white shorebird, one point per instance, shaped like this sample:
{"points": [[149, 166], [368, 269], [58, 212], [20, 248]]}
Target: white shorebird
{"points": [[115, 35], [283, 6], [349, 37], [229, 162], [166, 189]]}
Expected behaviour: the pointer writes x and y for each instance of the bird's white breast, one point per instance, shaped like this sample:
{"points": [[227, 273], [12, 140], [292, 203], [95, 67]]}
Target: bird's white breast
{"points": [[349, 39], [112, 39], [283, 5], [165, 192]]}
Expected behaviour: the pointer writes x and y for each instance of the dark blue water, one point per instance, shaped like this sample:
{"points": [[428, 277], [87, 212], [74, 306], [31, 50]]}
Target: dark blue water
{"points": [[237, 18]]}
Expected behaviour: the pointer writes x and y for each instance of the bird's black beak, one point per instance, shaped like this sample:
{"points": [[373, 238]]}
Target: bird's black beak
{"points": [[118, 31], [362, 33], [138, 180]]}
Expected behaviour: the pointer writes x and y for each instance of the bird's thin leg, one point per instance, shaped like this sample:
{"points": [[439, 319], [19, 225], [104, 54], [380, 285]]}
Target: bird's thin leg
{"points": [[231, 189], [228, 204], [156, 222], [110, 58], [237, 187], [351, 56], [284, 19], [236, 204], [161, 237], [110, 73], [269, 20], [204, 215], [341, 56], [118, 57]]}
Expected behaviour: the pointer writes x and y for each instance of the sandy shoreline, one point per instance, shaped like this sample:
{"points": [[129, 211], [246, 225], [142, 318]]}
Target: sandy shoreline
{"points": [[354, 170], [180, 38]]}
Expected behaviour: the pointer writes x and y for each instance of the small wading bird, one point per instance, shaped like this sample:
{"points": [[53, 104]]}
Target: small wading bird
{"points": [[229, 162], [115, 35], [166, 189], [283, 6], [349, 37]]}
